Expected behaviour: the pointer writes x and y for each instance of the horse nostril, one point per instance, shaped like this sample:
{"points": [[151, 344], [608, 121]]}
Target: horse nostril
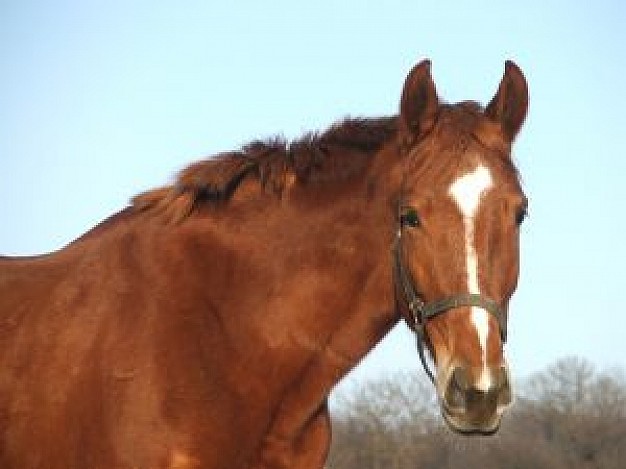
{"points": [[460, 379], [456, 390]]}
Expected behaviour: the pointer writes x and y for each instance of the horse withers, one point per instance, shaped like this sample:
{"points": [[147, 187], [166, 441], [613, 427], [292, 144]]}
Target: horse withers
{"points": [[205, 325]]}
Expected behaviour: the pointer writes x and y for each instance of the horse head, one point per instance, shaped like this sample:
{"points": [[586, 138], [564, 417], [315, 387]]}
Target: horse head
{"points": [[456, 254]]}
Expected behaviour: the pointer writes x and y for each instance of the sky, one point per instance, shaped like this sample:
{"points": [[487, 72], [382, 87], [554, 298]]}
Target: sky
{"points": [[100, 100]]}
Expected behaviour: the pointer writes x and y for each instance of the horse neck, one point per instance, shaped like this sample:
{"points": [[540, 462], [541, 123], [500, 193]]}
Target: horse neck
{"points": [[335, 258], [304, 272]]}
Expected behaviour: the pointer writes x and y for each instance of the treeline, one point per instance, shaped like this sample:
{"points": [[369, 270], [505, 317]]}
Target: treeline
{"points": [[569, 416]]}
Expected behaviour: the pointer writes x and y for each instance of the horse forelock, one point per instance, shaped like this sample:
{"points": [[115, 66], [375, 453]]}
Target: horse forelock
{"points": [[457, 128]]}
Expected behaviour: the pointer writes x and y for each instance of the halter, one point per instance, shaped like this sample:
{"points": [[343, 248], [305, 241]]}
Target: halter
{"points": [[420, 312]]}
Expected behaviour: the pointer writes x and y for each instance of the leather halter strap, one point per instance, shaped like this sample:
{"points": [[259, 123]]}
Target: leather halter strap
{"points": [[420, 312]]}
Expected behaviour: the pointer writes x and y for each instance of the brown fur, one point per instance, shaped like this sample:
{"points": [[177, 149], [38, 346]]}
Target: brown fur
{"points": [[213, 342], [337, 154]]}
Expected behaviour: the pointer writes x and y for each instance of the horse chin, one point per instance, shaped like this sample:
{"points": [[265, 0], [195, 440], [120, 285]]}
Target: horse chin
{"points": [[461, 425]]}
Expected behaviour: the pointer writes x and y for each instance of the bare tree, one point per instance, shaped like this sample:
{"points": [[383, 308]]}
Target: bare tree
{"points": [[568, 416]]}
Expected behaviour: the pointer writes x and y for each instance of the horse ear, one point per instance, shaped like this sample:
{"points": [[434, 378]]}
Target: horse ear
{"points": [[510, 104], [419, 103]]}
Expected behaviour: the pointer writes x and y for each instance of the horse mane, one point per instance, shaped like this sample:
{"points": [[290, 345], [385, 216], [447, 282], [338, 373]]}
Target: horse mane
{"points": [[337, 154]]}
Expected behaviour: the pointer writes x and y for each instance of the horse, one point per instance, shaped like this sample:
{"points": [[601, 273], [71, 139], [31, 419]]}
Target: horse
{"points": [[204, 325]]}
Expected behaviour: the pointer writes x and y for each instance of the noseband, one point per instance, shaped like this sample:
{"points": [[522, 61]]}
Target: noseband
{"points": [[420, 311]]}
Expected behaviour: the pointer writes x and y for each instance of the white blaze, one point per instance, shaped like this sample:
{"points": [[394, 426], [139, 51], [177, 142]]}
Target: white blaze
{"points": [[467, 191]]}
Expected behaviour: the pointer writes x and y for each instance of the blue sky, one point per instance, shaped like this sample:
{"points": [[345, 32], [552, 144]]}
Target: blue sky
{"points": [[100, 100]]}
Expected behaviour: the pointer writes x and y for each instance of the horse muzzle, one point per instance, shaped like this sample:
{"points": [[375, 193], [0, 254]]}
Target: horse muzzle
{"points": [[475, 406]]}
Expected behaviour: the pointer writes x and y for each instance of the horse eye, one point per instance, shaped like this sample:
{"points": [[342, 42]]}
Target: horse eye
{"points": [[520, 215], [410, 218]]}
